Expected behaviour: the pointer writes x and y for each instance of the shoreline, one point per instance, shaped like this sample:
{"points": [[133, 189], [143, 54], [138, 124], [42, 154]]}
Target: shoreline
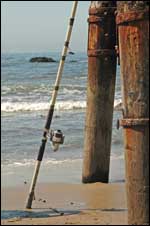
{"points": [[53, 170], [60, 204]]}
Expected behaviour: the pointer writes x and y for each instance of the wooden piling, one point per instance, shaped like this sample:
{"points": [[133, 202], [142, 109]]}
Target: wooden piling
{"points": [[133, 24], [100, 91]]}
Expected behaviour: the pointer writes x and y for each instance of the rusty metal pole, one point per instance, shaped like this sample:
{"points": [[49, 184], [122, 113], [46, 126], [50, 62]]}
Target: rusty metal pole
{"points": [[100, 91], [133, 24]]}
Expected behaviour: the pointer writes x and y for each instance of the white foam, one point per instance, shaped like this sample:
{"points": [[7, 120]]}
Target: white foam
{"points": [[72, 91], [27, 106], [118, 104], [117, 157], [60, 105], [46, 162], [69, 105], [5, 88], [59, 162], [51, 161]]}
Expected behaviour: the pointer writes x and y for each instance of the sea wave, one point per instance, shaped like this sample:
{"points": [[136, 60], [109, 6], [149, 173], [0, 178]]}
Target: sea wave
{"points": [[72, 91], [25, 89], [42, 88], [60, 105], [25, 106], [50, 161], [118, 104], [46, 162]]}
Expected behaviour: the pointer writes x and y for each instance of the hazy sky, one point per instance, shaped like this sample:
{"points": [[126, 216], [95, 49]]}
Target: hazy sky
{"points": [[29, 26]]}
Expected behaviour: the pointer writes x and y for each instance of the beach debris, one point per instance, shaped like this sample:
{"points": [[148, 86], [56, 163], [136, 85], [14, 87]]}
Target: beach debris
{"points": [[42, 60], [42, 200], [71, 203], [15, 219]]}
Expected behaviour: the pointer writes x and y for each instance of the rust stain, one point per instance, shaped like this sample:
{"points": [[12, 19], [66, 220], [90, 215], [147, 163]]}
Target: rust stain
{"points": [[133, 28]]}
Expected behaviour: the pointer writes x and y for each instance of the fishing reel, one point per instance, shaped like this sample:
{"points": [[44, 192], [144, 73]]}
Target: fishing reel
{"points": [[57, 138]]}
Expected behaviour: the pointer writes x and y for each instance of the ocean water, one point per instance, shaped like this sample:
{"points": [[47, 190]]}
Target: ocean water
{"points": [[26, 90]]}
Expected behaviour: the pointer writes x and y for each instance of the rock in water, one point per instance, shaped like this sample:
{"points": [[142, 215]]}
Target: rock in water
{"points": [[42, 59]]}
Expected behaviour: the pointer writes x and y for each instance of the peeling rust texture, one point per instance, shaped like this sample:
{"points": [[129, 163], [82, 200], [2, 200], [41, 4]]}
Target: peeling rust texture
{"points": [[134, 122], [133, 32], [134, 56], [129, 6], [137, 174], [95, 19], [124, 18], [102, 52], [103, 11]]}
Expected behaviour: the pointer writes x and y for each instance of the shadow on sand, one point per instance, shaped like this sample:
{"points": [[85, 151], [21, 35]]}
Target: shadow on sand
{"points": [[35, 213]]}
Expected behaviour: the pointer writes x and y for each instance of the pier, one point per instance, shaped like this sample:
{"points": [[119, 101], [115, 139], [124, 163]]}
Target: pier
{"points": [[132, 24]]}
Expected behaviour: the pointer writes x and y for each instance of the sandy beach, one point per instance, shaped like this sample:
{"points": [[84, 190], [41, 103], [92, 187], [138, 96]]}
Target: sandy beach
{"points": [[60, 204]]}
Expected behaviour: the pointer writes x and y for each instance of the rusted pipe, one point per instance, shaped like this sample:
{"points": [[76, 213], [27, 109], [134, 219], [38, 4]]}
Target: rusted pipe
{"points": [[100, 91], [133, 25]]}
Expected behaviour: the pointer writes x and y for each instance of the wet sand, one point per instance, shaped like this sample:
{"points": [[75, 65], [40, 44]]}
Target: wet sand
{"points": [[60, 204]]}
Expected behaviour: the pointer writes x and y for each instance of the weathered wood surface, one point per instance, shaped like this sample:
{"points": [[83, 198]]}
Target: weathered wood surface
{"points": [[100, 91]]}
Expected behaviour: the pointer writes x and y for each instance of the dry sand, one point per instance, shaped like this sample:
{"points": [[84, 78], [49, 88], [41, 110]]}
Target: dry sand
{"points": [[60, 204]]}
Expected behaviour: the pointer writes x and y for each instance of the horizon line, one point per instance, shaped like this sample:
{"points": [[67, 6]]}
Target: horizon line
{"points": [[7, 52]]}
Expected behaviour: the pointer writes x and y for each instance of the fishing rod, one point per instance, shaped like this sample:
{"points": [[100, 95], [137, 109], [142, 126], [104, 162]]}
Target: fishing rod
{"points": [[52, 105]]}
